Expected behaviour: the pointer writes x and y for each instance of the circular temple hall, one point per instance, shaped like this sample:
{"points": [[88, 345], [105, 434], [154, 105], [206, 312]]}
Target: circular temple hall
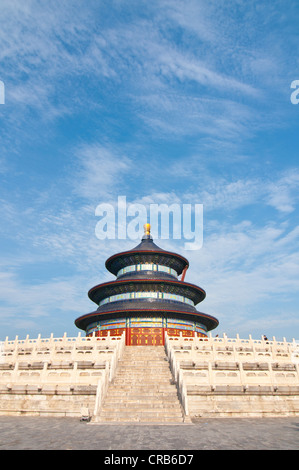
{"points": [[147, 298]]}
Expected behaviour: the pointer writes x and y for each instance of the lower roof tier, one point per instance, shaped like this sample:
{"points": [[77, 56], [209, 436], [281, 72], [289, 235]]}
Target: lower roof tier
{"points": [[149, 329], [142, 308]]}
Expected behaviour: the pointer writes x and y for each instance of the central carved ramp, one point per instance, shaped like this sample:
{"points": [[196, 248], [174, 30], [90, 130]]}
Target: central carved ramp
{"points": [[142, 390]]}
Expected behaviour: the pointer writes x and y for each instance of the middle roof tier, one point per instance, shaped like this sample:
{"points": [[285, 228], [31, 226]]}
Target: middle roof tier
{"points": [[102, 291]]}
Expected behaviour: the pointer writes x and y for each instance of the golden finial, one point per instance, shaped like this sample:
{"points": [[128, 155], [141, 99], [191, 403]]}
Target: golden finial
{"points": [[147, 229]]}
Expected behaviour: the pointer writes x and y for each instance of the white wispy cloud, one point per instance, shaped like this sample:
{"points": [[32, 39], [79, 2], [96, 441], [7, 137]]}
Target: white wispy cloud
{"points": [[100, 171], [40, 306], [218, 192], [50, 49], [283, 194], [245, 270]]}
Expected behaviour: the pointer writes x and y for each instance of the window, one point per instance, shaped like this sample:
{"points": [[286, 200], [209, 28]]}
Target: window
{"points": [[146, 295], [147, 267]]}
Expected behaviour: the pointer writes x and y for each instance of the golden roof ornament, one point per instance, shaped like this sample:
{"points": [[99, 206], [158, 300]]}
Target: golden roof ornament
{"points": [[147, 229]]}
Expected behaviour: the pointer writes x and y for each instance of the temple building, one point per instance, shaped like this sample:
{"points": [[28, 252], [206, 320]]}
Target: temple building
{"points": [[147, 298]]}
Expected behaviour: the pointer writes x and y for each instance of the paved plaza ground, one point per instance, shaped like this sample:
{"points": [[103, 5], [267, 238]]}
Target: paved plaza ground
{"points": [[38, 433]]}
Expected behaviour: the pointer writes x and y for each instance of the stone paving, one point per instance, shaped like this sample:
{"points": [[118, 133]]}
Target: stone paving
{"points": [[40, 433]]}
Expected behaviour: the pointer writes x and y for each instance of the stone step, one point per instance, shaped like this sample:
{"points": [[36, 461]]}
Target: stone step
{"points": [[143, 405], [142, 384], [130, 384], [129, 368], [143, 363], [142, 389], [147, 381], [122, 394], [128, 414], [154, 372], [143, 353], [154, 375], [141, 411], [146, 376], [117, 400], [144, 356], [137, 400], [139, 419], [137, 395], [151, 375], [143, 368], [148, 370]]}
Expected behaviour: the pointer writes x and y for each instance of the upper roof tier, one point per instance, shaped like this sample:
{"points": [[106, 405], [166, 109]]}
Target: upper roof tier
{"points": [[146, 252]]}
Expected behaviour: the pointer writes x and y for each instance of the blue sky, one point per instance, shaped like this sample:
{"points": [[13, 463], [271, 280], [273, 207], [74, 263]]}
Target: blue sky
{"points": [[162, 101]]}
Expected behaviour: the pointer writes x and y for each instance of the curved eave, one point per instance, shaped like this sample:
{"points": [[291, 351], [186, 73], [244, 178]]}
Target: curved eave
{"points": [[99, 292], [116, 262], [210, 322]]}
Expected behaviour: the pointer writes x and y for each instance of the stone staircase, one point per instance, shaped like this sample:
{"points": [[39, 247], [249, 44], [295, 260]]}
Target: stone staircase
{"points": [[142, 390]]}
